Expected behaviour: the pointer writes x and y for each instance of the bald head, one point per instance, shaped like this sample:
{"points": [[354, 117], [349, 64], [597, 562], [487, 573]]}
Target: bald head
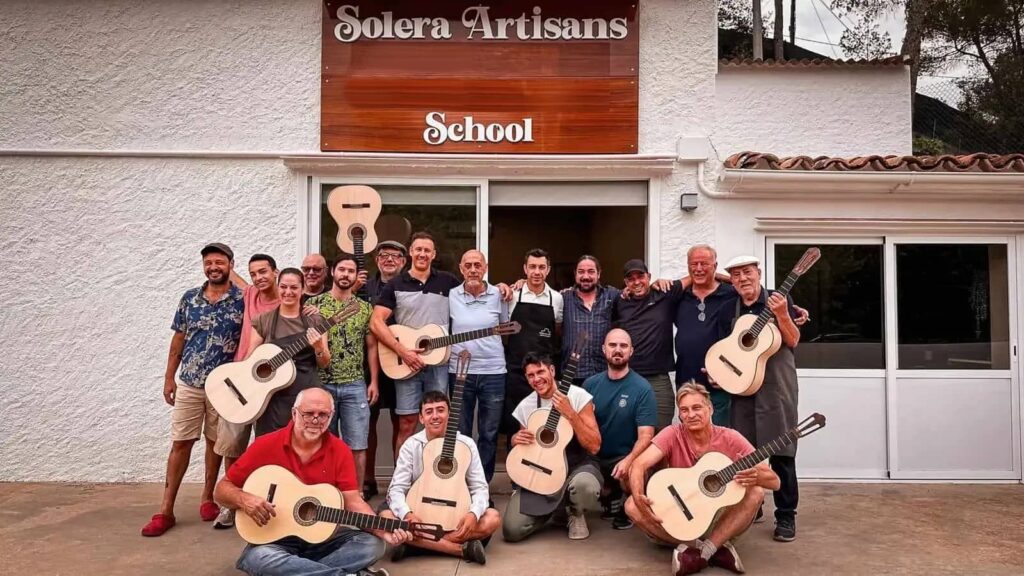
{"points": [[618, 349], [310, 395]]}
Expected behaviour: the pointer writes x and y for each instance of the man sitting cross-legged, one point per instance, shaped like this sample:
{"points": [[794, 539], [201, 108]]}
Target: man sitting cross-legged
{"points": [[681, 446], [475, 528]]}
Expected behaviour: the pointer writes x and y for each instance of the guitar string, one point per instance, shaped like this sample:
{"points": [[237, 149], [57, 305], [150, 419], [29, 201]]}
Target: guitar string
{"points": [[294, 348]]}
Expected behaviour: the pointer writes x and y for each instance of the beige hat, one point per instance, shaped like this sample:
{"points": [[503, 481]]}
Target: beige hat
{"points": [[743, 261]]}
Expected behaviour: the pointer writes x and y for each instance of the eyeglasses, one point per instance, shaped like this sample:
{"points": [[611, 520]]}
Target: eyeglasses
{"points": [[389, 256], [700, 308], [310, 417], [308, 269]]}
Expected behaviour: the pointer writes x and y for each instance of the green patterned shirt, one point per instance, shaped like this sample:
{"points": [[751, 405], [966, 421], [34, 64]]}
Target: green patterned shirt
{"points": [[347, 341]]}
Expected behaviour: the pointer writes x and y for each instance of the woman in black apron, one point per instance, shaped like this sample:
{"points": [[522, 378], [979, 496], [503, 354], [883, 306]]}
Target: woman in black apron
{"points": [[281, 327], [537, 335]]}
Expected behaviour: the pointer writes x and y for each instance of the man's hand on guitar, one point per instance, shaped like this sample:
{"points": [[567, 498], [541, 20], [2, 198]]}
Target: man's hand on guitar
{"points": [[522, 438], [711, 381], [360, 281], [561, 402], [257, 508], [465, 528], [395, 538], [310, 310], [411, 358], [643, 505], [170, 390], [746, 478], [779, 306]]}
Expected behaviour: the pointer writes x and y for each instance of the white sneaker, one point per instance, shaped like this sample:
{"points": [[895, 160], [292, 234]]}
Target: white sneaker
{"points": [[226, 519], [578, 529]]}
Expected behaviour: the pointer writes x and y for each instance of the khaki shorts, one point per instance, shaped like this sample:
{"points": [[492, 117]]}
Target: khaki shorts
{"points": [[192, 413], [232, 439]]}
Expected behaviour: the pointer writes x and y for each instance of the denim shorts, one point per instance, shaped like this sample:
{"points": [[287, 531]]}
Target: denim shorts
{"points": [[351, 421], [409, 392]]}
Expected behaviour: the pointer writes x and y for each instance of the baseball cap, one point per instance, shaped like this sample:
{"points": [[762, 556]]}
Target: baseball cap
{"points": [[218, 247], [392, 244], [634, 265], [743, 261]]}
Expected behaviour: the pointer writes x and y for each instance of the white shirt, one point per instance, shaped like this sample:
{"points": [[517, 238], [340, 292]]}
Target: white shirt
{"points": [[409, 467], [542, 298], [578, 399]]}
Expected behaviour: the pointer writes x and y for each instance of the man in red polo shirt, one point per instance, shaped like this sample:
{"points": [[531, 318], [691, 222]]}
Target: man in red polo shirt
{"points": [[306, 449]]}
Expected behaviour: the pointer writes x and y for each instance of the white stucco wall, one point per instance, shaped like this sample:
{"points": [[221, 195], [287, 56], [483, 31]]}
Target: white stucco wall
{"points": [[814, 111]]}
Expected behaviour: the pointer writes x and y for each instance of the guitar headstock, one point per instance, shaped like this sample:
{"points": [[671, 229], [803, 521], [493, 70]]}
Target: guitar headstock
{"points": [[462, 365], [345, 313], [432, 532], [807, 260], [810, 425], [507, 328]]}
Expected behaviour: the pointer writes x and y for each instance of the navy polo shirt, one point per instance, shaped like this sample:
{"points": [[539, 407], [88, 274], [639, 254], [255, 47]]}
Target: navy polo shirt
{"points": [[725, 321], [693, 336], [648, 321]]}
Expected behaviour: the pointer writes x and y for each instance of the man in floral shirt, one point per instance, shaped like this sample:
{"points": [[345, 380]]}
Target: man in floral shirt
{"points": [[207, 327]]}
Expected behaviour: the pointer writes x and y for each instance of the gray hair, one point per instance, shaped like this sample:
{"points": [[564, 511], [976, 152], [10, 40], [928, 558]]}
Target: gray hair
{"points": [[692, 387], [707, 247]]}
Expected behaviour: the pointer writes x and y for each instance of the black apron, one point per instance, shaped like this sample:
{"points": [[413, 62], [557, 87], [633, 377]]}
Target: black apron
{"points": [[537, 335], [279, 409], [770, 412]]}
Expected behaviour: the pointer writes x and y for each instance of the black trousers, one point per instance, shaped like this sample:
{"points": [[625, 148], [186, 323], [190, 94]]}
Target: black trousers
{"points": [[788, 495]]}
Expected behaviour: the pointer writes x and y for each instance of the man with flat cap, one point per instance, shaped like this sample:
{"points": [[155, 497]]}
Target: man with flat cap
{"points": [[772, 410], [647, 316], [207, 327]]}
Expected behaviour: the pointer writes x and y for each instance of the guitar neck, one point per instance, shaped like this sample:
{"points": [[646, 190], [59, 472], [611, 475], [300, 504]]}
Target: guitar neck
{"points": [[750, 460], [766, 315], [359, 520], [568, 375], [444, 341], [360, 257], [454, 415], [300, 344]]}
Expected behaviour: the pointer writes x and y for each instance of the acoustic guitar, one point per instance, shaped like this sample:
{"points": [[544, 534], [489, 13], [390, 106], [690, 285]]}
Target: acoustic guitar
{"points": [[240, 391], [736, 363], [311, 512], [355, 208], [687, 499], [434, 344], [542, 467], [441, 494]]}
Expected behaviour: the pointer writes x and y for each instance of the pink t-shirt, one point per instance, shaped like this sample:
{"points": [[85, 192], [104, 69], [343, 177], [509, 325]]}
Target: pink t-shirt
{"points": [[679, 451], [254, 306]]}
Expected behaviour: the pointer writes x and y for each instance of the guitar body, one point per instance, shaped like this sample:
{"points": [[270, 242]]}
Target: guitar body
{"points": [[240, 391], [440, 495], [295, 505], [736, 363], [702, 502], [354, 208], [541, 467], [391, 363]]}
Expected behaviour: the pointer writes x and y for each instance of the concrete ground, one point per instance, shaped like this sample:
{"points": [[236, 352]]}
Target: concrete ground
{"points": [[86, 529]]}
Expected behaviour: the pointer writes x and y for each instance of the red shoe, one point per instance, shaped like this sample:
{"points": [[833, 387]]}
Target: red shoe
{"points": [[159, 524], [208, 511], [687, 562], [726, 557]]}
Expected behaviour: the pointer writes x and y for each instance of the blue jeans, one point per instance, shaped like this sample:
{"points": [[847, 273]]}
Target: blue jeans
{"points": [[351, 421], [347, 552], [409, 392], [488, 392]]}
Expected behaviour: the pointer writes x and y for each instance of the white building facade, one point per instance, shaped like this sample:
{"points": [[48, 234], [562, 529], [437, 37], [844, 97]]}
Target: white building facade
{"points": [[132, 134]]}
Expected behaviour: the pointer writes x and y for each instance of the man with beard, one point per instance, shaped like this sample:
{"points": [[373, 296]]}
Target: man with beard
{"points": [[207, 326], [627, 414], [304, 448], [477, 305], [538, 309], [771, 411], [314, 275], [390, 261], [350, 344], [527, 512], [588, 310], [647, 316], [260, 297]]}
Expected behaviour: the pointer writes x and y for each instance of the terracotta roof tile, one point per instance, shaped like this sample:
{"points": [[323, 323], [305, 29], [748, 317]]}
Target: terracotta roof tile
{"points": [[890, 62], [946, 163]]}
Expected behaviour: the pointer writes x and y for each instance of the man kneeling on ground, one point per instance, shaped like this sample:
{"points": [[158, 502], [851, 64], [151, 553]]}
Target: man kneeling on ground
{"points": [[681, 446]]}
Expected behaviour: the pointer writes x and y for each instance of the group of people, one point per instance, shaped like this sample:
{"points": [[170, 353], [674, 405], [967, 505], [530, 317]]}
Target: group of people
{"points": [[620, 405]]}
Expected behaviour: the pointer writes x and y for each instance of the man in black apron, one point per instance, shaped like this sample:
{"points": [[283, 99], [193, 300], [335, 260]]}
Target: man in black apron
{"points": [[773, 409], [538, 309]]}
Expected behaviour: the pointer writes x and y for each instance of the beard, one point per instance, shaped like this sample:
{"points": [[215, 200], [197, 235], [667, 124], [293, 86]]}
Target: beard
{"points": [[587, 288], [618, 361], [218, 278], [344, 283]]}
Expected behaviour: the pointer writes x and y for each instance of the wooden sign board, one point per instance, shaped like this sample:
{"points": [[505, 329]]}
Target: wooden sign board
{"points": [[537, 77]]}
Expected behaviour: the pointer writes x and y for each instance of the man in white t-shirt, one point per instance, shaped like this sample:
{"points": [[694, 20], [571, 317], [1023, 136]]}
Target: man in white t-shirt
{"points": [[527, 511]]}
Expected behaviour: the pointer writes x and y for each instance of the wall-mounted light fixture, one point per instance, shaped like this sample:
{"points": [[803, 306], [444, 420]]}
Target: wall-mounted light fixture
{"points": [[688, 201]]}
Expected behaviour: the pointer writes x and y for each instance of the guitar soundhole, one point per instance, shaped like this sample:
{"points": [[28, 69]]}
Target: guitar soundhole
{"points": [[710, 484], [264, 371], [444, 467], [305, 511], [356, 232], [748, 340], [423, 343], [547, 437]]}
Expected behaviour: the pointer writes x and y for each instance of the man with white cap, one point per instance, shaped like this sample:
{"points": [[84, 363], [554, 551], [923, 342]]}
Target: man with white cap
{"points": [[773, 409]]}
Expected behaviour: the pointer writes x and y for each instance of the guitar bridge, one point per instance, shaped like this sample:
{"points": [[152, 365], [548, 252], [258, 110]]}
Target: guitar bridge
{"points": [[236, 391], [536, 466], [679, 502], [439, 501], [271, 492], [363, 205], [731, 366]]}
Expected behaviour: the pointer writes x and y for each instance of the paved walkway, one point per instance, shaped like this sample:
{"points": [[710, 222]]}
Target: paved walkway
{"points": [[85, 530]]}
